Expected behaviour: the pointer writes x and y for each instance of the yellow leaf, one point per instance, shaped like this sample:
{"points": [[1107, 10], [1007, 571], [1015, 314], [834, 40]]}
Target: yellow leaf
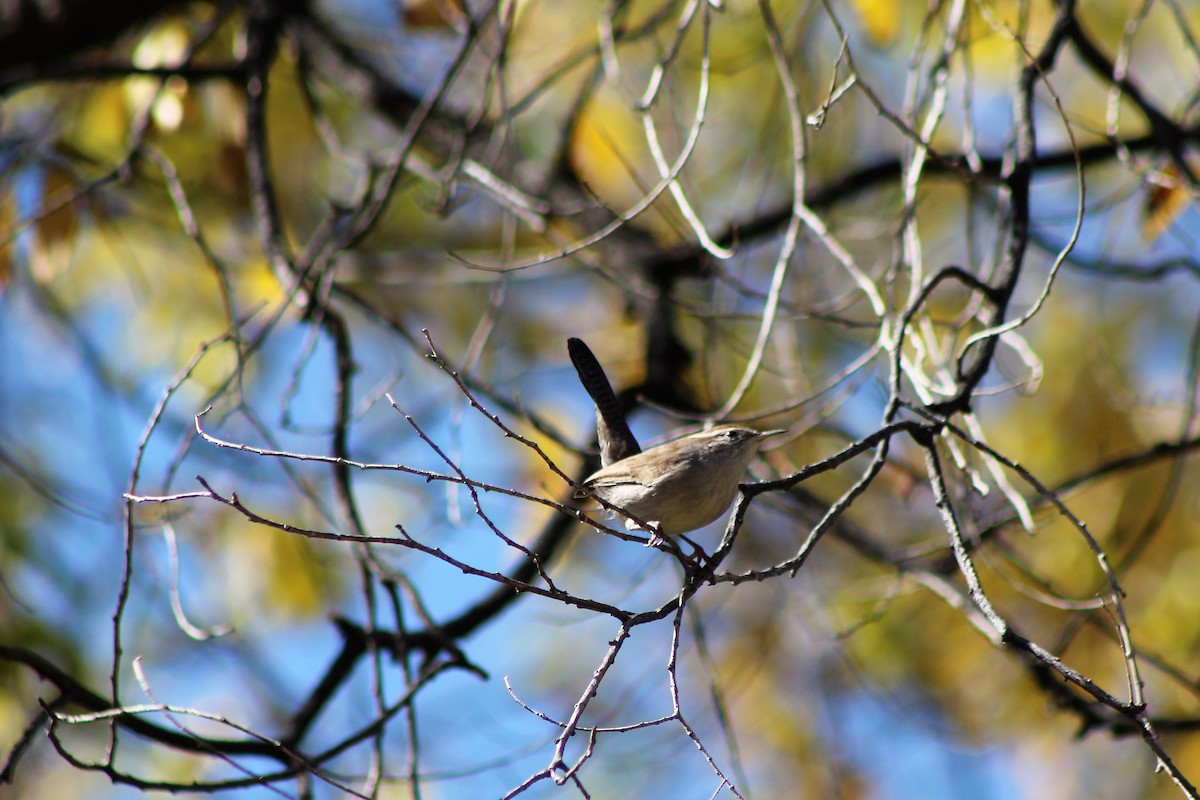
{"points": [[880, 20], [433, 13], [99, 128], [609, 152], [1165, 201], [54, 231], [7, 217], [606, 149]]}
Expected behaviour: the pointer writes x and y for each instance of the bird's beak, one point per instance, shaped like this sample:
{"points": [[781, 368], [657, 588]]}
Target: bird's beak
{"points": [[774, 432]]}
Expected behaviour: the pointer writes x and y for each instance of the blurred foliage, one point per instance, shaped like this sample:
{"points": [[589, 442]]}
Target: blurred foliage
{"points": [[133, 272]]}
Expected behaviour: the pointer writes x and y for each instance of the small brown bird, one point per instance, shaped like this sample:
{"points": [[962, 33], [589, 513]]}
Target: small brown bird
{"points": [[681, 485]]}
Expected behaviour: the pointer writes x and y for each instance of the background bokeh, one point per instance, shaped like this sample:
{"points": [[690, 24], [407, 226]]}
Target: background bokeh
{"points": [[324, 220]]}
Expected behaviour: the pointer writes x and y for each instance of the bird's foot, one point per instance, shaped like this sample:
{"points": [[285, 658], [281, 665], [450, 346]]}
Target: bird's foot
{"points": [[656, 535]]}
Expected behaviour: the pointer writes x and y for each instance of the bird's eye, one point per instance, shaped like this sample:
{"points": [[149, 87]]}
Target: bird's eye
{"points": [[731, 435]]}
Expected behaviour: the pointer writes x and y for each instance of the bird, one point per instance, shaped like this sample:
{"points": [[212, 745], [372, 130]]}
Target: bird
{"points": [[678, 486]]}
